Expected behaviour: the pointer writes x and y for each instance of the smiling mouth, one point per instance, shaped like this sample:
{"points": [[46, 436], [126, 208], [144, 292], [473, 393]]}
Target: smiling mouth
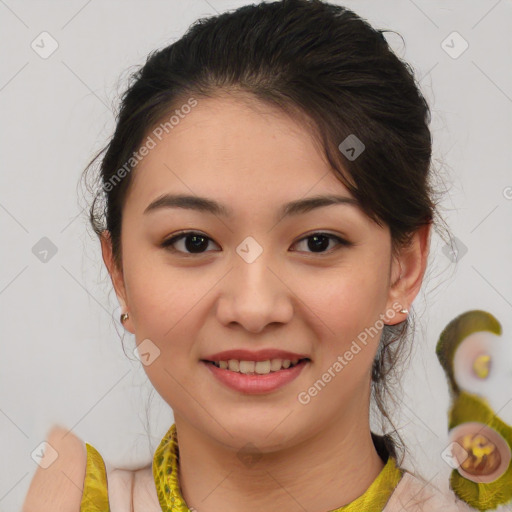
{"points": [[257, 367]]}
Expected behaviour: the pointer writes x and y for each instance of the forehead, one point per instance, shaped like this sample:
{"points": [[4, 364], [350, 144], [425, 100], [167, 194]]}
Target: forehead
{"points": [[238, 149]]}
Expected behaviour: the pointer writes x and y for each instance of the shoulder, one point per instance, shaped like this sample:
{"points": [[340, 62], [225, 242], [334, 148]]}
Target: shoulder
{"points": [[414, 494], [57, 484]]}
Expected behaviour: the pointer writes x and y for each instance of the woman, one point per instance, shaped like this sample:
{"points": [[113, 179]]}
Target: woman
{"points": [[266, 221]]}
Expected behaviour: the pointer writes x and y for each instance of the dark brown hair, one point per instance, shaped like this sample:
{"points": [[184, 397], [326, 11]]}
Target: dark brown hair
{"points": [[324, 65]]}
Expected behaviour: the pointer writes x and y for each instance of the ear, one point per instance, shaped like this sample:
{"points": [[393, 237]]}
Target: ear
{"points": [[116, 275], [408, 267]]}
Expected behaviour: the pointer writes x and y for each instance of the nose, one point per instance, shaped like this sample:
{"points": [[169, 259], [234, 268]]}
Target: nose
{"points": [[255, 295]]}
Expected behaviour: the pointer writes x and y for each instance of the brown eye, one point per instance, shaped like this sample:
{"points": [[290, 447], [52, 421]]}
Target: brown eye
{"points": [[192, 243], [318, 242]]}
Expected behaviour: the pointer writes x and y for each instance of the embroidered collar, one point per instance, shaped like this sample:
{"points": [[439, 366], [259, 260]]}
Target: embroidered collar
{"points": [[165, 473]]}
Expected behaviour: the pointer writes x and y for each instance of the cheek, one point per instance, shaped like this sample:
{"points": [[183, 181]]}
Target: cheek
{"points": [[162, 303], [348, 303], [348, 297], [160, 295]]}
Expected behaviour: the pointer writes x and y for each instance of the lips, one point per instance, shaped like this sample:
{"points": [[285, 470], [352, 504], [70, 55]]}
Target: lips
{"points": [[249, 355], [253, 383]]}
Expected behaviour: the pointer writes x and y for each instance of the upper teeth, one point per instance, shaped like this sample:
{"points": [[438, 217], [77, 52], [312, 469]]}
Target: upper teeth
{"points": [[259, 367]]}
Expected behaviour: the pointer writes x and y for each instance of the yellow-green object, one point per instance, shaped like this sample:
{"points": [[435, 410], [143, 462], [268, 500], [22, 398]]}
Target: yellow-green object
{"points": [[482, 496], [95, 494], [468, 407], [456, 331]]}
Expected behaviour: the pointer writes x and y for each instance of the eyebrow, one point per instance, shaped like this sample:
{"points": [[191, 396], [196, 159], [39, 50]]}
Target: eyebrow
{"points": [[204, 204]]}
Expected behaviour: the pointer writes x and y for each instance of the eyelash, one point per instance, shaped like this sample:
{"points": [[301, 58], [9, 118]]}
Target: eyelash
{"points": [[167, 244]]}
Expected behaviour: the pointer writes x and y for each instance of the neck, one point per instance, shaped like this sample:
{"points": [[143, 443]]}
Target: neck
{"points": [[330, 468]]}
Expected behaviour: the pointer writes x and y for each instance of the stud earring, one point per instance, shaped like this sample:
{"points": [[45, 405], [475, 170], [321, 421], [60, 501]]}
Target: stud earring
{"points": [[123, 317], [405, 311]]}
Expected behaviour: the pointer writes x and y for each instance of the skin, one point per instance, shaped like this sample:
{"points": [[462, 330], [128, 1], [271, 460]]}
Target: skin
{"points": [[253, 158]]}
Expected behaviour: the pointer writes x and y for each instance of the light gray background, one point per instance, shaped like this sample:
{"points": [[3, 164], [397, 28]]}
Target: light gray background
{"points": [[61, 359]]}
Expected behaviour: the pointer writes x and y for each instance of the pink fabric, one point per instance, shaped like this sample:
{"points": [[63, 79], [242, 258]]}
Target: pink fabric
{"points": [[415, 495]]}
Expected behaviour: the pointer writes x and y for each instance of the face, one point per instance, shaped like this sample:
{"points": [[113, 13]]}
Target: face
{"points": [[249, 279]]}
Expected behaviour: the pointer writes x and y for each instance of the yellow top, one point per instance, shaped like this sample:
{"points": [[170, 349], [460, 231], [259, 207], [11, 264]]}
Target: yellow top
{"points": [[165, 473], [95, 494]]}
